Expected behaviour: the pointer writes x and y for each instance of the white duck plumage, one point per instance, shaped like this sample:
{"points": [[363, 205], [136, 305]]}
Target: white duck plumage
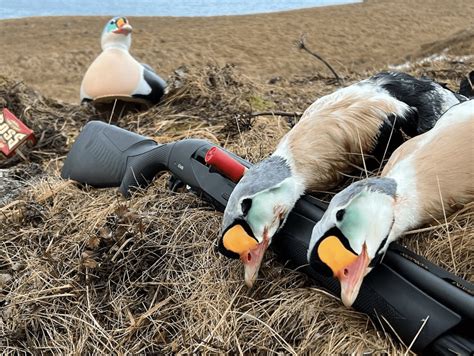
{"points": [[425, 179], [328, 141]]}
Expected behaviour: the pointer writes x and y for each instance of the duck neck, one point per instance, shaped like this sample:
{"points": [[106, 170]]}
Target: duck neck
{"points": [[295, 183], [296, 189], [115, 45], [116, 41], [314, 171], [406, 211], [299, 180]]}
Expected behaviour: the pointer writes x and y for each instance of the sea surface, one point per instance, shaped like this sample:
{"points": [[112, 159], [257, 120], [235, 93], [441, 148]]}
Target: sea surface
{"points": [[27, 8]]}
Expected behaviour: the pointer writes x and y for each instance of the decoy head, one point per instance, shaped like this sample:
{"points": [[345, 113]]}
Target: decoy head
{"points": [[354, 233], [257, 208], [117, 33]]}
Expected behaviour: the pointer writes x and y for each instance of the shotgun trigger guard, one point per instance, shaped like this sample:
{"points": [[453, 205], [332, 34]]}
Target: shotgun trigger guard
{"points": [[176, 185]]}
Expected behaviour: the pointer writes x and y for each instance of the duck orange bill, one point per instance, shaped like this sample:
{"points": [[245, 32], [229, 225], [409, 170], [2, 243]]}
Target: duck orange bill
{"points": [[13, 133], [237, 240], [351, 277], [252, 261], [123, 26], [346, 266], [120, 22]]}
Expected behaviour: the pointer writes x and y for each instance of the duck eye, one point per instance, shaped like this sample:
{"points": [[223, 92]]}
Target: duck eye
{"points": [[340, 214], [246, 205]]}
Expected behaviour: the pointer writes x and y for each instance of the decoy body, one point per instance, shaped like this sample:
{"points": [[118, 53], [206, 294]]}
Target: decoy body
{"points": [[423, 181], [325, 144], [115, 74]]}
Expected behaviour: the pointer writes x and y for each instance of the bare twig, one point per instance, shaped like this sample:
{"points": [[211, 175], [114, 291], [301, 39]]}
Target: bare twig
{"points": [[302, 45]]}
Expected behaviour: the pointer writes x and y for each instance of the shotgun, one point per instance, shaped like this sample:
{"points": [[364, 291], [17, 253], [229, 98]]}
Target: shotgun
{"points": [[406, 294]]}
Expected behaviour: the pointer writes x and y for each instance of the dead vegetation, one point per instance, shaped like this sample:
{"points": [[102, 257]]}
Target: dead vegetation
{"points": [[86, 271]]}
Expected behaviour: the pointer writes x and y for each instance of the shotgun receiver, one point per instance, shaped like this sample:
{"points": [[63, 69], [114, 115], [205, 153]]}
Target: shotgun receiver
{"points": [[405, 294]]}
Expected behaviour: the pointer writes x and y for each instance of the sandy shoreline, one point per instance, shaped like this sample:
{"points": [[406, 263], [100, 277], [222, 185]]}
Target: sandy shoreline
{"points": [[52, 53]]}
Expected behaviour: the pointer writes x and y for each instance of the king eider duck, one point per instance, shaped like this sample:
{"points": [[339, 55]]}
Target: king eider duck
{"points": [[327, 142], [115, 74], [423, 180], [466, 87]]}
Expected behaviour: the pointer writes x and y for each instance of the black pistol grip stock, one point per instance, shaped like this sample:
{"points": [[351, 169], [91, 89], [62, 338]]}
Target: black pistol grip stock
{"points": [[108, 156], [143, 167], [184, 159], [100, 153]]}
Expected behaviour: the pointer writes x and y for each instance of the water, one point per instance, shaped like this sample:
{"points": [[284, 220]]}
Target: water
{"points": [[26, 8]]}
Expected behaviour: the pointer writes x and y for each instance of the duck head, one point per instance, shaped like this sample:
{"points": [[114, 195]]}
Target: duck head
{"points": [[354, 233], [117, 33], [257, 208]]}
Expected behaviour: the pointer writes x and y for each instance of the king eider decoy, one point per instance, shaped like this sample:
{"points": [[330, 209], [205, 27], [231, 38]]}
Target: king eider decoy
{"points": [[320, 149], [423, 181], [115, 74]]}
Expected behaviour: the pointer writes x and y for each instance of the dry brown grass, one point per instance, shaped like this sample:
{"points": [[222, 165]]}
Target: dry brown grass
{"points": [[86, 271]]}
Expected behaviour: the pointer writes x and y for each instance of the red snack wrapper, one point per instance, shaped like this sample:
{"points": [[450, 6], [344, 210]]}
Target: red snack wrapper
{"points": [[225, 164], [13, 133]]}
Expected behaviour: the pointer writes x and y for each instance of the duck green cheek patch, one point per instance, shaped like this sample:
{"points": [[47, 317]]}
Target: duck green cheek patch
{"points": [[13, 133]]}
